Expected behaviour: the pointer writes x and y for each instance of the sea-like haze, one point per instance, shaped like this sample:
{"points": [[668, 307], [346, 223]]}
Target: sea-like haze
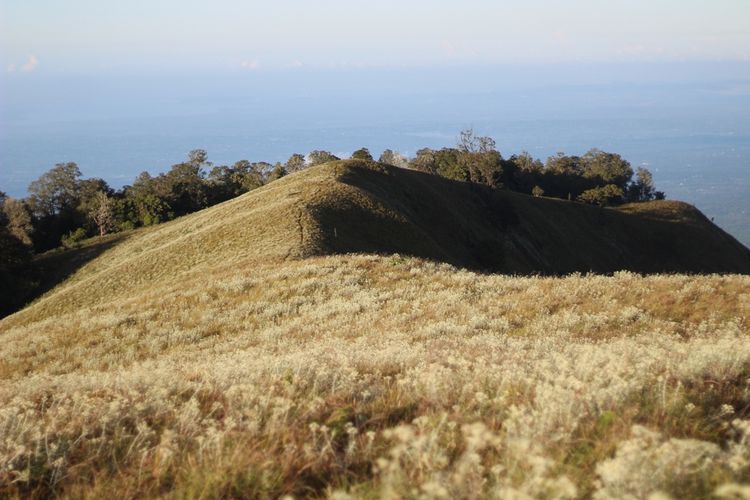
{"points": [[689, 123]]}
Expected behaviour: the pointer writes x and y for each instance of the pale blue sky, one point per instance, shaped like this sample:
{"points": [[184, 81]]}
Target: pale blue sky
{"points": [[95, 36]]}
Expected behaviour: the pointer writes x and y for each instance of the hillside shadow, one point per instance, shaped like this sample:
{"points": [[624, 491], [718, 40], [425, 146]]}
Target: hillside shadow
{"points": [[479, 228], [44, 272], [419, 214]]}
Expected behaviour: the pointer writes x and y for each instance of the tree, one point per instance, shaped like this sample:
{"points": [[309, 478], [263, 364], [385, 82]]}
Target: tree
{"points": [[153, 210], [394, 158], [444, 162], [425, 161], [88, 200], [606, 168], [362, 154], [537, 192], [184, 186], [17, 219], [277, 173], [319, 157], [602, 196], [101, 213], [295, 163], [149, 199], [248, 175], [560, 163], [199, 158], [523, 172], [642, 189], [54, 199], [478, 157], [56, 191]]}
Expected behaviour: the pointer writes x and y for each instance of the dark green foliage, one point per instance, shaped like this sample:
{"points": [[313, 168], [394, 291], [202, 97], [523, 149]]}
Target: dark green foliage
{"points": [[610, 194], [319, 157], [444, 162], [57, 191], [54, 199], [362, 154], [73, 238], [277, 173], [295, 163], [606, 168], [183, 188], [15, 282], [61, 204]]}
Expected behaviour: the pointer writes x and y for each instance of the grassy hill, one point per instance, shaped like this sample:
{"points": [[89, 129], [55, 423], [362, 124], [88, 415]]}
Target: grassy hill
{"points": [[364, 207], [236, 352]]}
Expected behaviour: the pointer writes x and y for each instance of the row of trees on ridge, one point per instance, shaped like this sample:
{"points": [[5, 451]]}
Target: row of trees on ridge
{"points": [[64, 208]]}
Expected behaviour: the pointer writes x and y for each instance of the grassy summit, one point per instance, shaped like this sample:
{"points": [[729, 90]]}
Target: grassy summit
{"points": [[236, 352]]}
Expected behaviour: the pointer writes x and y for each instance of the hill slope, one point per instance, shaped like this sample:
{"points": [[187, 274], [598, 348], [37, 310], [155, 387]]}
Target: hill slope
{"points": [[204, 358], [364, 207], [396, 210]]}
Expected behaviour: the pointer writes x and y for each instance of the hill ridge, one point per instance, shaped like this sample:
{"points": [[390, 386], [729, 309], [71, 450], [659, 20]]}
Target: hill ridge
{"points": [[366, 207]]}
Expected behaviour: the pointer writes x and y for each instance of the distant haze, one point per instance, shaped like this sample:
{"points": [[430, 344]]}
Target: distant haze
{"points": [[95, 37]]}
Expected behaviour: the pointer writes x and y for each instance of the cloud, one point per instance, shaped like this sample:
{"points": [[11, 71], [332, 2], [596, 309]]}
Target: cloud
{"points": [[250, 64], [11, 68], [296, 64], [30, 65]]}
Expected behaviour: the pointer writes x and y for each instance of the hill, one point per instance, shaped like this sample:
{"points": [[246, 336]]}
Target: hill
{"points": [[386, 209], [365, 207], [225, 355]]}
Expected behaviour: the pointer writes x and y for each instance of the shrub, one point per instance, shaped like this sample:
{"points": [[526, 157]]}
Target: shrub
{"points": [[72, 239]]}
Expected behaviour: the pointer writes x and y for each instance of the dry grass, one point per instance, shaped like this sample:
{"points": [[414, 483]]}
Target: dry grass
{"points": [[205, 358], [383, 376]]}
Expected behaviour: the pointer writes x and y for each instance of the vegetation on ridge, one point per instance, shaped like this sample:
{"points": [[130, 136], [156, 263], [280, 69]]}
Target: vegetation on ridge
{"points": [[64, 209]]}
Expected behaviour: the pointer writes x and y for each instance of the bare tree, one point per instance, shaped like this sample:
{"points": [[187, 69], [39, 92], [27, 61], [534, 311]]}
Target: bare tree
{"points": [[101, 214]]}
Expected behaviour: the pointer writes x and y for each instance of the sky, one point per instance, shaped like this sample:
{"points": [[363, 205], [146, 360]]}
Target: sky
{"points": [[85, 37]]}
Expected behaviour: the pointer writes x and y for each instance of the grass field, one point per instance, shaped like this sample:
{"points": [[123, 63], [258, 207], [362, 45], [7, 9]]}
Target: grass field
{"points": [[219, 356]]}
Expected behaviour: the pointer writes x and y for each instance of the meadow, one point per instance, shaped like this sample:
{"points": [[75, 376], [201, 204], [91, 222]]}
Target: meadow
{"points": [[382, 377]]}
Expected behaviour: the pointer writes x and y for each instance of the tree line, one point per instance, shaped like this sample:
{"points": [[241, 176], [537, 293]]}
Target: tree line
{"points": [[62, 208]]}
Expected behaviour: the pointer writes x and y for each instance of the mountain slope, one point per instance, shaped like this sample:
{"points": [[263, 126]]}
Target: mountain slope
{"points": [[365, 207], [397, 210], [220, 356]]}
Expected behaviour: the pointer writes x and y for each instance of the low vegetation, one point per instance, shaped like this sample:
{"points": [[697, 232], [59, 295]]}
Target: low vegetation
{"points": [[383, 376]]}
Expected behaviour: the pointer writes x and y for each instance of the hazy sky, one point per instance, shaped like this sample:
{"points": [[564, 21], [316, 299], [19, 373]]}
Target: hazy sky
{"points": [[95, 36]]}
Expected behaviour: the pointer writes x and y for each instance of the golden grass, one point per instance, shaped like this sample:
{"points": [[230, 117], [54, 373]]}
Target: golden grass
{"points": [[382, 376], [217, 356]]}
